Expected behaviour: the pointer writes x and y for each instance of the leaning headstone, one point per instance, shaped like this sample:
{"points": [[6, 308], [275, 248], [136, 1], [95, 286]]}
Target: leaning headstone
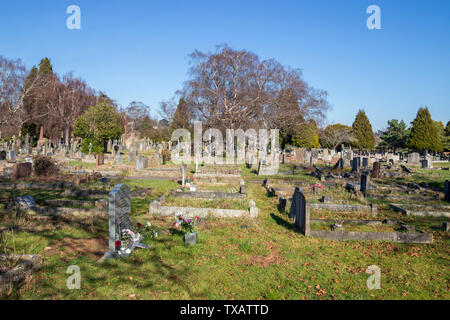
{"points": [[300, 212]]}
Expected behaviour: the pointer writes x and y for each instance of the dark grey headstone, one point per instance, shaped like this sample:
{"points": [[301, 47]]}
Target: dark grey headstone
{"points": [[2, 155], [365, 183], [447, 190], [300, 212]]}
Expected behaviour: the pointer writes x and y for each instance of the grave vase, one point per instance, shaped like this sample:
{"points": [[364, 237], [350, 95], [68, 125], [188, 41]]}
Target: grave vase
{"points": [[193, 188], [190, 238]]}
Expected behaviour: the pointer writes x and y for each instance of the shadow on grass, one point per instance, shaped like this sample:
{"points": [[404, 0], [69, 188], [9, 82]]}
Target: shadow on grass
{"points": [[288, 225]]}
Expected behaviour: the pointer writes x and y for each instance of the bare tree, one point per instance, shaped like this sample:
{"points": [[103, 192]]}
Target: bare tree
{"points": [[234, 89], [14, 90]]}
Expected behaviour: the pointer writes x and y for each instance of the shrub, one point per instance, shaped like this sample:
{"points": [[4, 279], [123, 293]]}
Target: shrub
{"points": [[44, 166]]}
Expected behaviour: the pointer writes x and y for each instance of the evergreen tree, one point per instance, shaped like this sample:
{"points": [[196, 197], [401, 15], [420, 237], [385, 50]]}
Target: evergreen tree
{"points": [[424, 133], [98, 124], [447, 129], [45, 66], [181, 116], [396, 135], [306, 135], [363, 133]]}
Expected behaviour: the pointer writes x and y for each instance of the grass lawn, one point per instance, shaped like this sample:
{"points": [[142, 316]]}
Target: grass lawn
{"points": [[234, 259]]}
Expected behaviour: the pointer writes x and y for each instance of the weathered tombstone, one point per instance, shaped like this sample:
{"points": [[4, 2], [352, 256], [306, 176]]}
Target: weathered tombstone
{"points": [[447, 190], [376, 170], [100, 159], [139, 163], [12, 155], [119, 216], [242, 189], [22, 170], [164, 159], [300, 212], [365, 183], [2, 155]]}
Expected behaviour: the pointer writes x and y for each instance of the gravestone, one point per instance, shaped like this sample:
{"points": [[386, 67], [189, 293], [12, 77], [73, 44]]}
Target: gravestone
{"points": [[119, 218], [413, 158], [365, 183], [21, 170], [376, 170], [140, 163], [300, 212], [119, 213], [447, 190], [242, 189], [355, 164], [2, 155], [12, 155], [365, 162], [183, 175], [100, 159]]}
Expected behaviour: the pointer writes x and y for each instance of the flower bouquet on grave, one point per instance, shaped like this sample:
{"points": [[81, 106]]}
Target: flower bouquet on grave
{"points": [[189, 181], [316, 188], [187, 225], [148, 231]]}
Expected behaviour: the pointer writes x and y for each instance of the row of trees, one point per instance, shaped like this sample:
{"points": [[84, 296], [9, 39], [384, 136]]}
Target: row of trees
{"points": [[425, 134], [39, 98], [226, 89]]}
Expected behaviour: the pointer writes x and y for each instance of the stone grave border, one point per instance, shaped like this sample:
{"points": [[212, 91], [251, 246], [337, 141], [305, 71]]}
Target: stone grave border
{"points": [[300, 212], [156, 208], [407, 212], [20, 274]]}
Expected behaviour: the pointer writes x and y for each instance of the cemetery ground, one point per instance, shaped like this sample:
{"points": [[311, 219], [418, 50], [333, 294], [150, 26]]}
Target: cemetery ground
{"points": [[235, 258]]}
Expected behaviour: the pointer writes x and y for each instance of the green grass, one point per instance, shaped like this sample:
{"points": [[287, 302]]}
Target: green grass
{"points": [[235, 259]]}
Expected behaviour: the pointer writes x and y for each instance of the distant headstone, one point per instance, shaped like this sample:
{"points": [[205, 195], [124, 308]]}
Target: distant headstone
{"points": [[242, 189], [355, 164], [413, 158], [21, 170], [447, 190], [376, 170], [183, 175], [100, 159], [365, 183], [139, 163], [2, 155], [12, 155], [365, 162]]}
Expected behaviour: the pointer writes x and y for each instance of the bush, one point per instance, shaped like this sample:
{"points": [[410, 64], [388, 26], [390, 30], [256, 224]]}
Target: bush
{"points": [[44, 166]]}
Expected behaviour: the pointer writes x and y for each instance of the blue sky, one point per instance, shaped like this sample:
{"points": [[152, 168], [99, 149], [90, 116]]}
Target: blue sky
{"points": [[137, 50]]}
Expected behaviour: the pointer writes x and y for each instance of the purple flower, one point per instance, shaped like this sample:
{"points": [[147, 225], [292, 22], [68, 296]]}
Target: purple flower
{"points": [[188, 220]]}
